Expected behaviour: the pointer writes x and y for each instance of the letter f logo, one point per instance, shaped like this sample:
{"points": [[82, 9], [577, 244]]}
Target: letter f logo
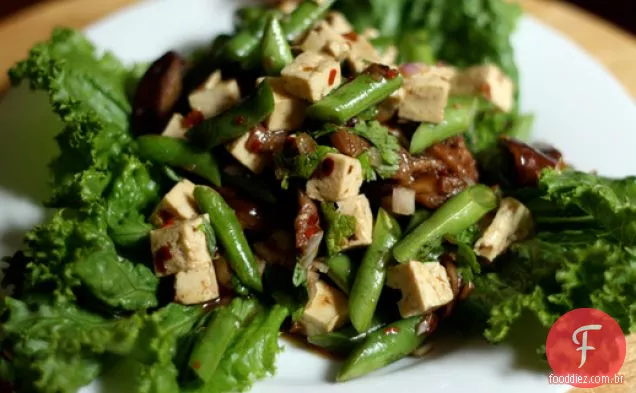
{"points": [[584, 347]]}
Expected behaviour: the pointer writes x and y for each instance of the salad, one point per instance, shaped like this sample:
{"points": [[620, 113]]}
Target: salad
{"points": [[353, 173]]}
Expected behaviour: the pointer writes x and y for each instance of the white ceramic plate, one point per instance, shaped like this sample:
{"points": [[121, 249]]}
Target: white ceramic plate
{"points": [[580, 108]]}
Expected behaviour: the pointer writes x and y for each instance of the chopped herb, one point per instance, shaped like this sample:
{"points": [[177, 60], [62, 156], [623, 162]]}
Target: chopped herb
{"points": [[340, 227]]}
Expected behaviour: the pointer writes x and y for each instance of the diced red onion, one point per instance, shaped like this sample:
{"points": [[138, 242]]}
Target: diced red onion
{"points": [[410, 69]]}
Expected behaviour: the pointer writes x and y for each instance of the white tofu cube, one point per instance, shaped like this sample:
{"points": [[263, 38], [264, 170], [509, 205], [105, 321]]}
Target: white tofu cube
{"points": [[326, 311], [289, 112], [370, 33], [178, 204], [180, 247], [359, 208], [311, 76], [339, 22], [175, 128], [196, 286], [362, 53], [447, 72], [219, 98], [339, 177], [489, 81], [252, 161], [212, 81], [323, 38], [425, 97], [425, 287], [513, 222]]}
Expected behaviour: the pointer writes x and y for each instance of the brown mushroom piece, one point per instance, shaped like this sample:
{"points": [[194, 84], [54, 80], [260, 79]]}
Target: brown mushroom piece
{"points": [[442, 171], [307, 222], [264, 141], [349, 144], [529, 161], [157, 94]]}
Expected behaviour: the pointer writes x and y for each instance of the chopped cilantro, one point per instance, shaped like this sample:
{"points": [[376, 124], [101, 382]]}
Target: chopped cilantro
{"points": [[302, 166], [340, 227]]}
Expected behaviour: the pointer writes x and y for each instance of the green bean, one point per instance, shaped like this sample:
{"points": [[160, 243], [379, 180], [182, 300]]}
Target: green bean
{"points": [[419, 217], [276, 52], [369, 88], [236, 121], [344, 341], [382, 347], [209, 350], [175, 152], [458, 116], [341, 271], [460, 212], [304, 17], [370, 278], [230, 235], [242, 47], [247, 16]]}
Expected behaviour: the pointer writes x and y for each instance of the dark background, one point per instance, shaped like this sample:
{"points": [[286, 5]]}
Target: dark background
{"points": [[619, 12]]}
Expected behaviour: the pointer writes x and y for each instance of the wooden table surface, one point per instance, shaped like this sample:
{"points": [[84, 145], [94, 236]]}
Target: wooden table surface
{"points": [[612, 47]]}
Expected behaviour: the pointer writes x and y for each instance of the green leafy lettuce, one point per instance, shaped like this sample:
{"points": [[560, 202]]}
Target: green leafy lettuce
{"points": [[461, 33], [57, 347], [98, 184], [565, 266]]}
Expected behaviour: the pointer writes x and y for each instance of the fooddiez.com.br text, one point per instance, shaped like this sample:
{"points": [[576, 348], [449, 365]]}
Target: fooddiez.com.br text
{"points": [[570, 379]]}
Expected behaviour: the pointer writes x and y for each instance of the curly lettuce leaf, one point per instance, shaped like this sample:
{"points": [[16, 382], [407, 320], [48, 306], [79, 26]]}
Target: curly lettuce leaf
{"points": [[89, 93], [57, 348], [158, 345], [462, 32], [551, 274], [252, 355], [116, 281], [612, 203]]}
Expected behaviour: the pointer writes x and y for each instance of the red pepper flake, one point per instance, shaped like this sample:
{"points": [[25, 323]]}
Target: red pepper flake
{"points": [[165, 215], [240, 120], [391, 330], [255, 142], [332, 76], [485, 90], [196, 365], [192, 119], [162, 256], [391, 73], [168, 223], [313, 226], [352, 36]]}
